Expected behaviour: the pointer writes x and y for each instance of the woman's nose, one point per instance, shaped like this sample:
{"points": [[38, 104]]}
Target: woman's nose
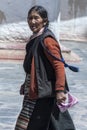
{"points": [[33, 21]]}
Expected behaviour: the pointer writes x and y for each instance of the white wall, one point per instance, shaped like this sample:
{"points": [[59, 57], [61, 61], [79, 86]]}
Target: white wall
{"points": [[16, 10], [73, 16]]}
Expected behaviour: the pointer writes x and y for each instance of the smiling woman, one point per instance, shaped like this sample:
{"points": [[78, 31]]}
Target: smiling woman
{"points": [[45, 81], [37, 21]]}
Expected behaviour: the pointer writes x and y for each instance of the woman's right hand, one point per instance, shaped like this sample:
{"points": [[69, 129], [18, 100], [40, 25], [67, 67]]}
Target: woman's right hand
{"points": [[61, 97], [22, 89]]}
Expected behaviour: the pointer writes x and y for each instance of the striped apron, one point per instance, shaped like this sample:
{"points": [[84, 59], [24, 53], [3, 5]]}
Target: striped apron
{"points": [[27, 108]]}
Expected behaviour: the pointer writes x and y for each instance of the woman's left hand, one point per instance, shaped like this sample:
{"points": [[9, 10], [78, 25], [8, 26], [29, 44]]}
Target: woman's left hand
{"points": [[22, 89], [61, 97]]}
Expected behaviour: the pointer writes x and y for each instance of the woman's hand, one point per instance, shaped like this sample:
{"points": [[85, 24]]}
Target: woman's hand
{"points": [[22, 89], [61, 97]]}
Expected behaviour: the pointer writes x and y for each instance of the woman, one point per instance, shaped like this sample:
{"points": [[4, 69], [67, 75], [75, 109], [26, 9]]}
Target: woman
{"points": [[45, 81]]}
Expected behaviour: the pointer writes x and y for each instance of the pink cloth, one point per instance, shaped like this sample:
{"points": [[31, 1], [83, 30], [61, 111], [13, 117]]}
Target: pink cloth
{"points": [[72, 100]]}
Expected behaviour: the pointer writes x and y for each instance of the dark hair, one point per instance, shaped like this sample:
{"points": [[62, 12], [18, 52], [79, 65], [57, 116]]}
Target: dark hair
{"points": [[41, 11]]}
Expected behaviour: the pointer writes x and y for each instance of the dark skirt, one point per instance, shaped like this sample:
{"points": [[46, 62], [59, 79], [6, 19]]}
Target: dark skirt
{"points": [[60, 121], [43, 114], [46, 116]]}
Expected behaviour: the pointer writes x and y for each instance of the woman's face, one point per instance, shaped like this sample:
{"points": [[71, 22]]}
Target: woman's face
{"points": [[35, 22]]}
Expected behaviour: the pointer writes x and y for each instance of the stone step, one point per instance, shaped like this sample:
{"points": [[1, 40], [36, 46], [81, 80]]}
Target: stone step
{"points": [[12, 51], [20, 54], [16, 51], [12, 46], [12, 54], [21, 46]]}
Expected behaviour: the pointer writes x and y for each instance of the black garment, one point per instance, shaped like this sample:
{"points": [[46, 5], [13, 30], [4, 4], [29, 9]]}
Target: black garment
{"points": [[45, 74], [41, 115], [29, 54], [61, 121], [46, 116]]}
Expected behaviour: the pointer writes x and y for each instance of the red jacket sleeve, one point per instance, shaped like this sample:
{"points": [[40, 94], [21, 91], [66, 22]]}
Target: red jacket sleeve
{"points": [[58, 66]]}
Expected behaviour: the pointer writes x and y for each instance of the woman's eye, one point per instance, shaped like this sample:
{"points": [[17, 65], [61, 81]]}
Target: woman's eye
{"points": [[36, 17], [31, 18]]}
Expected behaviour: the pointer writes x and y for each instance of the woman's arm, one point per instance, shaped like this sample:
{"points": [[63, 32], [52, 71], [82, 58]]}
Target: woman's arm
{"points": [[54, 48]]}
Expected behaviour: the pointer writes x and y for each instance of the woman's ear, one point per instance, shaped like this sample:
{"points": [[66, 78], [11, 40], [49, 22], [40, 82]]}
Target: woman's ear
{"points": [[45, 21]]}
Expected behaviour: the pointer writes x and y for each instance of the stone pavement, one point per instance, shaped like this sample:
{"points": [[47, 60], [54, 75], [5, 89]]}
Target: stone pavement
{"points": [[12, 76]]}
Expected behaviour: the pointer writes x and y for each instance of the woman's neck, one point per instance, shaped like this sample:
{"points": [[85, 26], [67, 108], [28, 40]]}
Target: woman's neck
{"points": [[37, 34]]}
